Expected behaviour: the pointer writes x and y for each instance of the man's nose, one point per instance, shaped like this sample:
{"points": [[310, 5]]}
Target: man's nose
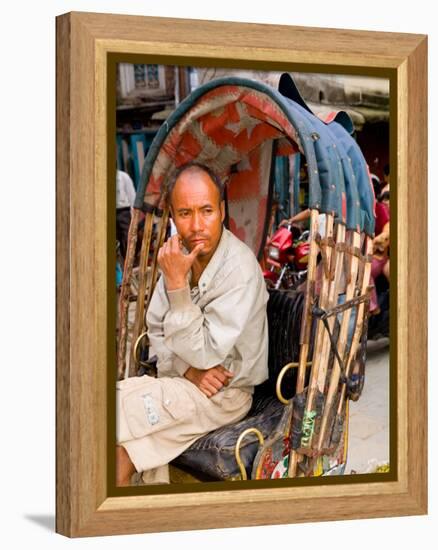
{"points": [[196, 222]]}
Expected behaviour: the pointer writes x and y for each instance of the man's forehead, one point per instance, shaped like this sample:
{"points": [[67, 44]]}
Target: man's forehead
{"points": [[194, 175], [193, 200], [194, 189]]}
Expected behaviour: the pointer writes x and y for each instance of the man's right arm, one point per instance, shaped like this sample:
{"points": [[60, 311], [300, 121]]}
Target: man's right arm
{"points": [[168, 363]]}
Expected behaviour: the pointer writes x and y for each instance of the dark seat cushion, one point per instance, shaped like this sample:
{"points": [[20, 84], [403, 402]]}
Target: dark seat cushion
{"points": [[213, 454]]}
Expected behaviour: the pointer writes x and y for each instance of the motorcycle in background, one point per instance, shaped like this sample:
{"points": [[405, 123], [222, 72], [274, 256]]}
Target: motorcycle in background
{"points": [[287, 254]]}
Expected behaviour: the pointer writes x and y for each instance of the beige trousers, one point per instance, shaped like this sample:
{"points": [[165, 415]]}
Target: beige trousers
{"points": [[158, 418]]}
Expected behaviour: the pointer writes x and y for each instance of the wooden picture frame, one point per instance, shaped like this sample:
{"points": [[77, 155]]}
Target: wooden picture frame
{"points": [[86, 503]]}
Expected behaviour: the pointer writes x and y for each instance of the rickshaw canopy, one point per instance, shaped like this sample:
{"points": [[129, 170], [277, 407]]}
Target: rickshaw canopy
{"points": [[237, 127]]}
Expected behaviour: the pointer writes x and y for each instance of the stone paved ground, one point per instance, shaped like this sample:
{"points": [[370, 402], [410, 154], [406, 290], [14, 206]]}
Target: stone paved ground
{"points": [[369, 416]]}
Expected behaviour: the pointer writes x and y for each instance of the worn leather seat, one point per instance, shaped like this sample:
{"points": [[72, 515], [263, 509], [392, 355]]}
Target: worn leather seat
{"points": [[213, 455]]}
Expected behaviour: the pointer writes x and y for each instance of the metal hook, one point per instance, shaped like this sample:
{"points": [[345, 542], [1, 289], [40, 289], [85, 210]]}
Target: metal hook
{"points": [[237, 450], [280, 396], [137, 343]]}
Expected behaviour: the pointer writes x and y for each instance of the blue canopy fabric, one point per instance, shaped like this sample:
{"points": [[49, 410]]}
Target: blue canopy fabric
{"points": [[356, 174]]}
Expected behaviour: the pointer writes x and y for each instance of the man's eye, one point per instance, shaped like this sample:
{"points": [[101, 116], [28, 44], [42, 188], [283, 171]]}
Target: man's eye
{"points": [[208, 211]]}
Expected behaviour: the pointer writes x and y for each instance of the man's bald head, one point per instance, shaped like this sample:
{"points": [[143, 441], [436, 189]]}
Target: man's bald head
{"points": [[194, 169]]}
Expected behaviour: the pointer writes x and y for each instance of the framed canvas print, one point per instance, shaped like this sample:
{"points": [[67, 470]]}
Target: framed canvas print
{"points": [[238, 208]]}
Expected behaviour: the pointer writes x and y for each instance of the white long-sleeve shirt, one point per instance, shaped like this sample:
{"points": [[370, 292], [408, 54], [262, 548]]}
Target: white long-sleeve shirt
{"points": [[222, 321], [125, 191]]}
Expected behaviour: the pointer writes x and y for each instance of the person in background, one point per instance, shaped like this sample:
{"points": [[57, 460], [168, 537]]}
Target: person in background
{"points": [[302, 217], [380, 261], [382, 207], [385, 186], [125, 196], [384, 198]]}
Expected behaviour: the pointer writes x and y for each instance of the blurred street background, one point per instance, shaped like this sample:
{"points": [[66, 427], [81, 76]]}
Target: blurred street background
{"points": [[369, 417]]}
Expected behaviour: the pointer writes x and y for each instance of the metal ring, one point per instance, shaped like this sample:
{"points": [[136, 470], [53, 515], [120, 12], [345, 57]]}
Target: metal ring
{"points": [[137, 343], [237, 449], [280, 380]]}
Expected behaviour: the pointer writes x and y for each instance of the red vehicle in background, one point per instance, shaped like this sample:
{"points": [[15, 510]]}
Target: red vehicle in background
{"points": [[287, 253]]}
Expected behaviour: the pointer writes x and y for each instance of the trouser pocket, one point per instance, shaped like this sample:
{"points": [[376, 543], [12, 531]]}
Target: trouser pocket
{"points": [[153, 406]]}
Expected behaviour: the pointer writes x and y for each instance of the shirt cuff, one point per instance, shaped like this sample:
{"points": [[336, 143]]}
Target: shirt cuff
{"points": [[172, 366], [180, 366], [179, 299]]}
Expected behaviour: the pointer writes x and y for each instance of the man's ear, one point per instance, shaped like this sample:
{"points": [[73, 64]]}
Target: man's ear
{"points": [[222, 210]]}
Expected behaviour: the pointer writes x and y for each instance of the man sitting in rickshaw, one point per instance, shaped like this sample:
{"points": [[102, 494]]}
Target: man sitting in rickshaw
{"points": [[207, 324]]}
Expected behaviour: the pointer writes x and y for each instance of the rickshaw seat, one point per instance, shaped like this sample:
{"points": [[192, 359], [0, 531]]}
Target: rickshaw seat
{"points": [[213, 455]]}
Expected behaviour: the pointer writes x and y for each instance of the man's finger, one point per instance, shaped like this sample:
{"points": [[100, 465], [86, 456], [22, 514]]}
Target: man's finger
{"points": [[223, 375], [219, 376], [224, 380], [196, 251], [208, 387], [175, 243], [205, 392], [160, 257], [225, 371], [215, 382], [163, 249]]}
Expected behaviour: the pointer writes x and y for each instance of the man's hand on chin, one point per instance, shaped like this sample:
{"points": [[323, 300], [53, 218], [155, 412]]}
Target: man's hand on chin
{"points": [[174, 264], [209, 381]]}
